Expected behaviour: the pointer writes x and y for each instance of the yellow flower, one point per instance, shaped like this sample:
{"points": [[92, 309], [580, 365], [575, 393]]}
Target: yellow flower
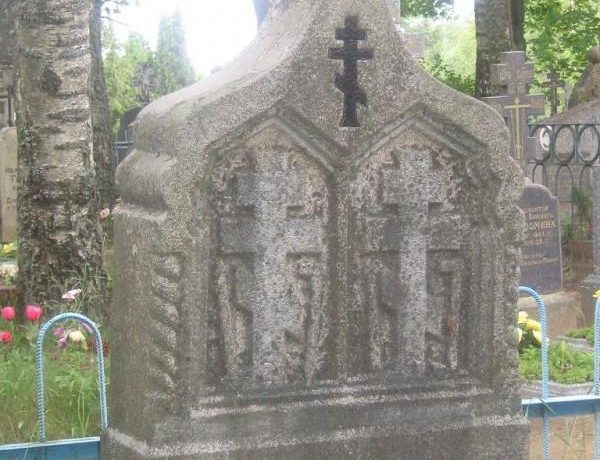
{"points": [[597, 293], [523, 317], [520, 332], [533, 325], [537, 335], [76, 336]]}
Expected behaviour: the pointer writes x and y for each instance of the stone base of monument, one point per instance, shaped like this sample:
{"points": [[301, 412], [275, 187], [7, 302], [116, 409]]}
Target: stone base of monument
{"points": [[336, 423], [563, 309]]}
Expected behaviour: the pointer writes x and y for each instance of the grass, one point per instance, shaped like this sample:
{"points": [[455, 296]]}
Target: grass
{"points": [[566, 364], [71, 392], [583, 333]]}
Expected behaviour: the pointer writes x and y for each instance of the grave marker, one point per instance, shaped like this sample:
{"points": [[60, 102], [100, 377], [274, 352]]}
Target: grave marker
{"points": [[541, 259], [300, 287], [516, 106], [554, 83], [8, 185]]}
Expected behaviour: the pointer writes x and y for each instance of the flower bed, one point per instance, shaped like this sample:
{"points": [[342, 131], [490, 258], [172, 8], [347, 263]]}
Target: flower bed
{"points": [[72, 392]]}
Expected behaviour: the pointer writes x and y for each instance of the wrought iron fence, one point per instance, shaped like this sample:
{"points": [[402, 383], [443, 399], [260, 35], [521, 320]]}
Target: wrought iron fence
{"points": [[561, 157]]}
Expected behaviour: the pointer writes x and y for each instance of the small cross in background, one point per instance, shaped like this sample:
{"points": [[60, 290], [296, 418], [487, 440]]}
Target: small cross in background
{"points": [[554, 82]]}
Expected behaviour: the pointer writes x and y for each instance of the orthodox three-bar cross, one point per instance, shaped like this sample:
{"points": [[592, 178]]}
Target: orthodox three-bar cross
{"points": [[347, 82], [554, 82], [516, 106]]}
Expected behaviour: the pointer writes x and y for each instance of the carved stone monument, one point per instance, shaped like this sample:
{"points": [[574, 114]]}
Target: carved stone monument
{"points": [[541, 261], [516, 105], [318, 254], [8, 185]]}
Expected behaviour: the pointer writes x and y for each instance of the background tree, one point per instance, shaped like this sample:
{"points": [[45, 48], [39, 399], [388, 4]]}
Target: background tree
{"points": [[262, 8], [499, 28], [559, 34], [173, 67], [121, 63], [427, 8], [57, 199]]}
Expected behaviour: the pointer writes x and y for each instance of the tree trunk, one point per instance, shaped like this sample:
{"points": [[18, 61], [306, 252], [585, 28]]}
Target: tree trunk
{"points": [[56, 200], [104, 158], [262, 8], [499, 28]]}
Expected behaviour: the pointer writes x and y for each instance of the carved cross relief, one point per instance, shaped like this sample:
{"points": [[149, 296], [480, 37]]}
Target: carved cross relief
{"points": [[394, 219], [272, 286]]}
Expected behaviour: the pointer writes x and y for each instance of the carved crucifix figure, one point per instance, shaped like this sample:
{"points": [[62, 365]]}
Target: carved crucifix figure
{"points": [[347, 82], [277, 226]]}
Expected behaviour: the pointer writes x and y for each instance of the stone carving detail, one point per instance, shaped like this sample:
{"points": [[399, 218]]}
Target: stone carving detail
{"points": [[165, 321], [271, 296], [401, 197], [445, 317]]}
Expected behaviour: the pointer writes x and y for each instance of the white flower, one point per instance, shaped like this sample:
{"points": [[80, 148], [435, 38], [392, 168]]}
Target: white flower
{"points": [[70, 295], [76, 337]]}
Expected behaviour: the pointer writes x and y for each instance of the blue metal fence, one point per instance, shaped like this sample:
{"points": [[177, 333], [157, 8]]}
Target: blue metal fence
{"points": [[68, 449], [547, 407]]}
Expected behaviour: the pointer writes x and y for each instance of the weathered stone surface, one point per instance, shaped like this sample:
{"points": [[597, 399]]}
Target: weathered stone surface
{"points": [[318, 251], [588, 87], [516, 105], [8, 185], [541, 258]]}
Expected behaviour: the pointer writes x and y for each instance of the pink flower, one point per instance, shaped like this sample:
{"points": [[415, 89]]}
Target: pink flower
{"points": [[33, 312], [8, 313], [5, 337]]}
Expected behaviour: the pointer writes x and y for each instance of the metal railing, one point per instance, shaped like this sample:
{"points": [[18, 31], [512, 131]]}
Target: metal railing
{"points": [[561, 157], [547, 406], [67, 449]]}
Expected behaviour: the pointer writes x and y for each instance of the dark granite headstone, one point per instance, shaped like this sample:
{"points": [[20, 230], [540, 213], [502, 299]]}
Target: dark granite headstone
{"points": [[541, 260]]}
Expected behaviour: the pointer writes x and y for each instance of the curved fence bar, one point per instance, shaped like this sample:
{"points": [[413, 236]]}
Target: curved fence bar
{"points": [[545, 373], [39, 357], [597, 378]]}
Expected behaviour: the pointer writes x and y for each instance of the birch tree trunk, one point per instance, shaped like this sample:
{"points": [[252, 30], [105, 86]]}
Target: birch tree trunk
{"points": [[57, 201]]}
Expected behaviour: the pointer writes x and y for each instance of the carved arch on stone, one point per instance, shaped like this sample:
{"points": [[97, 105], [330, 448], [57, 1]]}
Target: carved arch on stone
{"points": [[414, 329], [271, 295]]}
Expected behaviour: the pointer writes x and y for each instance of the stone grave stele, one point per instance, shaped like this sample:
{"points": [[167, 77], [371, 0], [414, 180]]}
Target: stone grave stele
{"points": [[8, 185], [317, 258], [541, 258]]}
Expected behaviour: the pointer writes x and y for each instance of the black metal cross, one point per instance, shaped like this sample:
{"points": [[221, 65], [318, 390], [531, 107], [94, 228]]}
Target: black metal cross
{"points": [[554, 82], [347, 82]]}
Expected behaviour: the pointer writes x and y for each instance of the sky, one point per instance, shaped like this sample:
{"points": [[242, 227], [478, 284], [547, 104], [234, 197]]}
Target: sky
{"points": [[216, 31]]}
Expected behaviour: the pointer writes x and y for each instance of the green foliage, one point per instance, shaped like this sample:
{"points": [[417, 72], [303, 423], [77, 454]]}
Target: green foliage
{"points": [[450, 54], [121, 63], [583, 206], [173, 66], [427, 8], [583, 333], [559, 33], [72, 408], [443, 72], [566, 364], [72, 394]]}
